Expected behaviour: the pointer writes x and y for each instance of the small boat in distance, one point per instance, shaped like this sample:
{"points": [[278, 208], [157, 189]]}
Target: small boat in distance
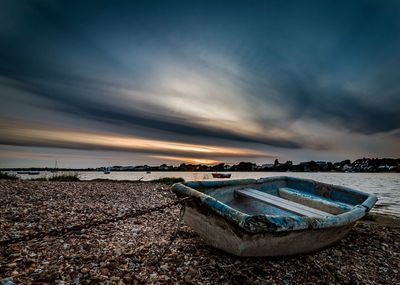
{"points": [[107, 169], [273, 216], [221, 175], [28, 172]]}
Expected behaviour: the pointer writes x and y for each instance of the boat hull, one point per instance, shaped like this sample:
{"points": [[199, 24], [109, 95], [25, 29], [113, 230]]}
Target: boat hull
{"points": [[221, 175], [223, 235]]}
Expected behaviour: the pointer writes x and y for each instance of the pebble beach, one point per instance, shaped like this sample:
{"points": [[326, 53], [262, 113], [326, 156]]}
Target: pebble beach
{"points": [[106, 232]]}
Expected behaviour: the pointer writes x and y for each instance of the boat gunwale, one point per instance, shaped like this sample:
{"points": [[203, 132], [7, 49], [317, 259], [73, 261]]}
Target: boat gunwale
{"points": [[272, 223]]}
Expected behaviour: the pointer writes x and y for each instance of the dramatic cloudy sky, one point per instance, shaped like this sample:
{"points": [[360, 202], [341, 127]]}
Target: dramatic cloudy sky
{"points": [[133, 82]]}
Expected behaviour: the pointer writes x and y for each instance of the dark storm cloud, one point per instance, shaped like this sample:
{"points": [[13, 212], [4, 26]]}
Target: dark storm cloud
{"points": [[338, 106], [332, 62]]}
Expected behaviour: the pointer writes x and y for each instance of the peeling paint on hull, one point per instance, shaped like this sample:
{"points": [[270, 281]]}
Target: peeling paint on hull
{"points": [[250, 228]]}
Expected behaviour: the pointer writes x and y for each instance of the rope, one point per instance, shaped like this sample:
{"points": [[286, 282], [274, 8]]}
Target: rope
{"points": [[173, 236], [171, 240], [76, 228]]}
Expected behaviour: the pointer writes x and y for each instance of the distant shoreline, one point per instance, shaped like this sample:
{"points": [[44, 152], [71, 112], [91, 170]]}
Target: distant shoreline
{"points": [[362, 165], [200, 171]]}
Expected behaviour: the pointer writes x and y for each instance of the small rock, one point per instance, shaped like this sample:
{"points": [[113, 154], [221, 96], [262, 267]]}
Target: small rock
{"points": [[165, 277], [128, 278], [188, 279], [115, 278], [337, 253], [153, 275], [164, 267]]}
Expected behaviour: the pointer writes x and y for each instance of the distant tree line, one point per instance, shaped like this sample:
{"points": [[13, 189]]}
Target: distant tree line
{"points": [[359, 165]]}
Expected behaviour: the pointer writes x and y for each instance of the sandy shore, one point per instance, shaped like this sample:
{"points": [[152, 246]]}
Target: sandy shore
{"points": [[124, 251]]}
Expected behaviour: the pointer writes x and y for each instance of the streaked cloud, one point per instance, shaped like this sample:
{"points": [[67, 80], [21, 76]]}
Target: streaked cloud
{"points": [[217, 81], [190, 160], [108, 141]]}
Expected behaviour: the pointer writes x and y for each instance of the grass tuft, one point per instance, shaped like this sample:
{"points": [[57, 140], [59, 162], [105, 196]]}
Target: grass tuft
{"points": [[39, 179], [65, 176], [8, 176], [169, 180]]}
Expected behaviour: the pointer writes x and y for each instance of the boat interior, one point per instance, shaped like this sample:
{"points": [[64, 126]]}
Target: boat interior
{"points": [[285, 196]]}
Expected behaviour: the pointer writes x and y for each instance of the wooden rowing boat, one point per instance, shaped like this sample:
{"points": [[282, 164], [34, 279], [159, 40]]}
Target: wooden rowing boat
{"points": [[272, 216]]}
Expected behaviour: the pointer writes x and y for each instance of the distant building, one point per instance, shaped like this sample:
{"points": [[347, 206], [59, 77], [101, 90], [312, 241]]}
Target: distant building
{"points": [[267, 165]]}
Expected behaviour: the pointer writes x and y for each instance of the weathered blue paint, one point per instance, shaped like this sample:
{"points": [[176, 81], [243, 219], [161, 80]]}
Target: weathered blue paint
{"points": [[206, 192]]}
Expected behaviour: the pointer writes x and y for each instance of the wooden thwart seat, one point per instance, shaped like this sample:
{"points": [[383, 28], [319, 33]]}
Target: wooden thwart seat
{"points": [[281, 203], [314, 201]]}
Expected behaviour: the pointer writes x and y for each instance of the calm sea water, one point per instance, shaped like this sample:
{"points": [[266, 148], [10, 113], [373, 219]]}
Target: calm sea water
{"points": [[385, 185]]}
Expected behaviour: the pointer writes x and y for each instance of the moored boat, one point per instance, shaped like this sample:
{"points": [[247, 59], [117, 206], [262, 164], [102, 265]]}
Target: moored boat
{"points": [[272, 216], [107, 170], [221, 175]]}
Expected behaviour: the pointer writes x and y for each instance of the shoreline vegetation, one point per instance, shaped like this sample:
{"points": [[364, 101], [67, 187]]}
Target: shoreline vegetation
{"points": [[62, 176], [369, 165], [74, 177], [8, 176], [126, 250]]}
